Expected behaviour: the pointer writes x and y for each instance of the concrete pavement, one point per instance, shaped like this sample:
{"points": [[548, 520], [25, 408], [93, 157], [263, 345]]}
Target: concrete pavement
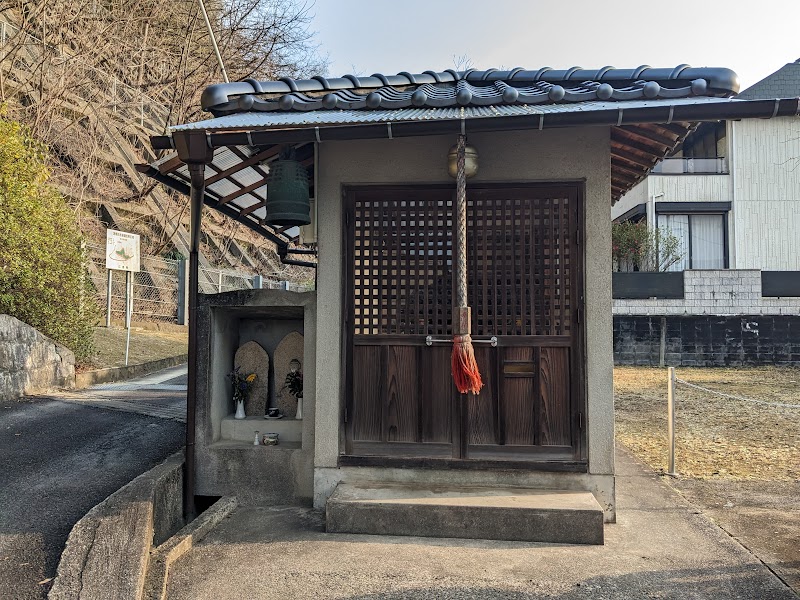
{"points": [[60, 456], [161, 395], [661, 547]]}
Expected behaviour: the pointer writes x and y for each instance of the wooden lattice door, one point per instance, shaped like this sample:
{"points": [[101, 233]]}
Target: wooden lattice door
{"points": [[525, 290]]}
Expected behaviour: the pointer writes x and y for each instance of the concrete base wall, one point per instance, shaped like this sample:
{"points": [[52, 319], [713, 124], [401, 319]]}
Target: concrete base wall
{"points": [[601, 486], [111, 374], [30, 362]]}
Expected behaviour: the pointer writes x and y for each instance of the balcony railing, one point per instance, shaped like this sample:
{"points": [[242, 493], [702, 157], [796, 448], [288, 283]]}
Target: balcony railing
{"points": [[695, 166]]}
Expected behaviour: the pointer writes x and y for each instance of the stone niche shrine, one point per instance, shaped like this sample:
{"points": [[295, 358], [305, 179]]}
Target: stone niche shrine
{"points": [[252, 358], [289, 349]]}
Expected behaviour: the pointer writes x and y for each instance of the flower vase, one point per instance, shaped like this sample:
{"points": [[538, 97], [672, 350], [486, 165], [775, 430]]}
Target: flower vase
{"points": [[239, 410], [299, 413]]}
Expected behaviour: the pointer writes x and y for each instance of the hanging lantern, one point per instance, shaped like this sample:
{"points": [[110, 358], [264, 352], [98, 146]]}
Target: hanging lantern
{"points": [[470, 161], [288, 203]]}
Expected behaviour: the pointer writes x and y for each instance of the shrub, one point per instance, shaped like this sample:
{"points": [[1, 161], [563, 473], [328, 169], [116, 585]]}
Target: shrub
{"points": [[635, 247], [42, 270]]}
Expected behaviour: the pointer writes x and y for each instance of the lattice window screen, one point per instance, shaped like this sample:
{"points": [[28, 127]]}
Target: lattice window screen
{"points": [[518, 259], [402, 270]]}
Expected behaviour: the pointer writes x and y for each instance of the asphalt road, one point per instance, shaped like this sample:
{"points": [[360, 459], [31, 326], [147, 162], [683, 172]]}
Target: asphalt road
{"points": [[60, 456]]}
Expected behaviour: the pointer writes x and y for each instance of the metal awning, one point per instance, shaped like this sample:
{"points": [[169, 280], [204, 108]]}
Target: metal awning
{"points": [[235, 184]]}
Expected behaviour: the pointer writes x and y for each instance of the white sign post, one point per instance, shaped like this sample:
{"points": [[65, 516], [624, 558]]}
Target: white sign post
{"points": [[123, 254]]}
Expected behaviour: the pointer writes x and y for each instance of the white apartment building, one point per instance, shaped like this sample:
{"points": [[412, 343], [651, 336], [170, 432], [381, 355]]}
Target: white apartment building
{"points": [[731, 193]]}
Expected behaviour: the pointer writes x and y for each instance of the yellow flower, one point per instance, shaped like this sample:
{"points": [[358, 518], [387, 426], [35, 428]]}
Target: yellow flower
{"points": [[251, 378]]}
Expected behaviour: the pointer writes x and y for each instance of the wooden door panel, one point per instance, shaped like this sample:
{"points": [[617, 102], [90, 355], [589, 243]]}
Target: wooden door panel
{"points": [[482, 409], [367, 405], [524, 281], [518, 405], [554, 389], [438, 390], [402, 394]]}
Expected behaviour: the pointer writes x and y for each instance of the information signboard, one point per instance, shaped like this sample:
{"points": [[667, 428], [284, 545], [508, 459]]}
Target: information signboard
{"points": [[122, 251]]}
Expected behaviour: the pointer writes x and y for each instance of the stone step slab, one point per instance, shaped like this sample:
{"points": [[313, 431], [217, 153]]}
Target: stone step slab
{"points": [[511, 514]]}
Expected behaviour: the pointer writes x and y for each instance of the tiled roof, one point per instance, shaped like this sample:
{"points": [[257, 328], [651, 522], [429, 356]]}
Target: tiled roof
{"points": [[468, 89], [327, 118], [783, 83]]}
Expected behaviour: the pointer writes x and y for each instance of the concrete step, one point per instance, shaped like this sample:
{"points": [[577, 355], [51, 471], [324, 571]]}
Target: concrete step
{"points": [[513, 514]]}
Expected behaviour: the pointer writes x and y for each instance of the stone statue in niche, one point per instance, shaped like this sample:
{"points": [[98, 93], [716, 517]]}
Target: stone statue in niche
{"points": [[252, 358], [288, 364]]}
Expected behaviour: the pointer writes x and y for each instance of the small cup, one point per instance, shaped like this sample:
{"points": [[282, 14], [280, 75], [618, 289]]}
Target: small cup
{"points": [[273, 412]]}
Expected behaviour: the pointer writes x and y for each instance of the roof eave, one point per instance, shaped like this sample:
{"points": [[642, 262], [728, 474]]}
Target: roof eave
{"points": [[663, 113]]}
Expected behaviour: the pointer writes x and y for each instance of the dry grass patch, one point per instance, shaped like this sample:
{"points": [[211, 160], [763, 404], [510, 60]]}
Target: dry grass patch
{"points": [[145, 346], [715, 436]]}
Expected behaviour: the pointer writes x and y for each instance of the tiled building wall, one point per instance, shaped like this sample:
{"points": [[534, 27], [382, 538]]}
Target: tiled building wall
{"points": [[675, 188], [765, 166], [714, 292]]}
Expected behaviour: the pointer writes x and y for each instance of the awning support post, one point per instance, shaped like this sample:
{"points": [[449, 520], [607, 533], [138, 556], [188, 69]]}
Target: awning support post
{"points": [[193, 149]]}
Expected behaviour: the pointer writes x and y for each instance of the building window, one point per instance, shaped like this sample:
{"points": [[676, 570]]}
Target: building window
{"points": [[703, 240]]}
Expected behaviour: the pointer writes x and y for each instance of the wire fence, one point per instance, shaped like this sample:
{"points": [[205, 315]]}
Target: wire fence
{"points": [[157, 286], [711, 432], [216, 281]]}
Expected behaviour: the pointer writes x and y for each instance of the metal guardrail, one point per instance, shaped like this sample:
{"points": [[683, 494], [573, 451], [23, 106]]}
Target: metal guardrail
{"points": [[780, 284], [692, 166], [643, 285]]}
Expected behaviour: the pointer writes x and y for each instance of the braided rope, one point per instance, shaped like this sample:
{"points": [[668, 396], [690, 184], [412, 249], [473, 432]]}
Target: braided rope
{"points": [[732, 397], [460, 229]]}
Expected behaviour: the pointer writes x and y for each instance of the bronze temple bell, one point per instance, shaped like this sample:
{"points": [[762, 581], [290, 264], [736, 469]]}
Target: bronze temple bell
{"points": [[288, 203]]}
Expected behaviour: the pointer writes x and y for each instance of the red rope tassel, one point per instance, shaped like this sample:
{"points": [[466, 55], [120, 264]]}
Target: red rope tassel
{"points": [[465, 369]]}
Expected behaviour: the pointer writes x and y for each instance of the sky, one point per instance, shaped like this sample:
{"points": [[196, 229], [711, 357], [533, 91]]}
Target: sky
{"points": [[387, 36]]}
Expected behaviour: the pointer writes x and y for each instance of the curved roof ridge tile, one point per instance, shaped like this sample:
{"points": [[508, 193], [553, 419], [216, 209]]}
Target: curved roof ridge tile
{"points": [[470, 87], [411, 79], [602, 72], [290, 82]]}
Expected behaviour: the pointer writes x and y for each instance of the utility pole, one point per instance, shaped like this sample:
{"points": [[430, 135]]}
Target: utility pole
{"points": [[214, 41]]}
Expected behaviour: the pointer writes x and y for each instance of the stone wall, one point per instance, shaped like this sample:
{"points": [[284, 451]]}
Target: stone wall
{"points": [[707, 340], [714, 292], [31, 363]]}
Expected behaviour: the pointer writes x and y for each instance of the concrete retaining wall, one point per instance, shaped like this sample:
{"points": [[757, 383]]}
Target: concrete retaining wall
{"points": [[707, 340], [111, 374], [30, 362], [108, 550]]}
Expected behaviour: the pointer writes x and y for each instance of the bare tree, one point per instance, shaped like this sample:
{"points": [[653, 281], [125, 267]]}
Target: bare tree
{"points": [[462, 62], [94, 78]]}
